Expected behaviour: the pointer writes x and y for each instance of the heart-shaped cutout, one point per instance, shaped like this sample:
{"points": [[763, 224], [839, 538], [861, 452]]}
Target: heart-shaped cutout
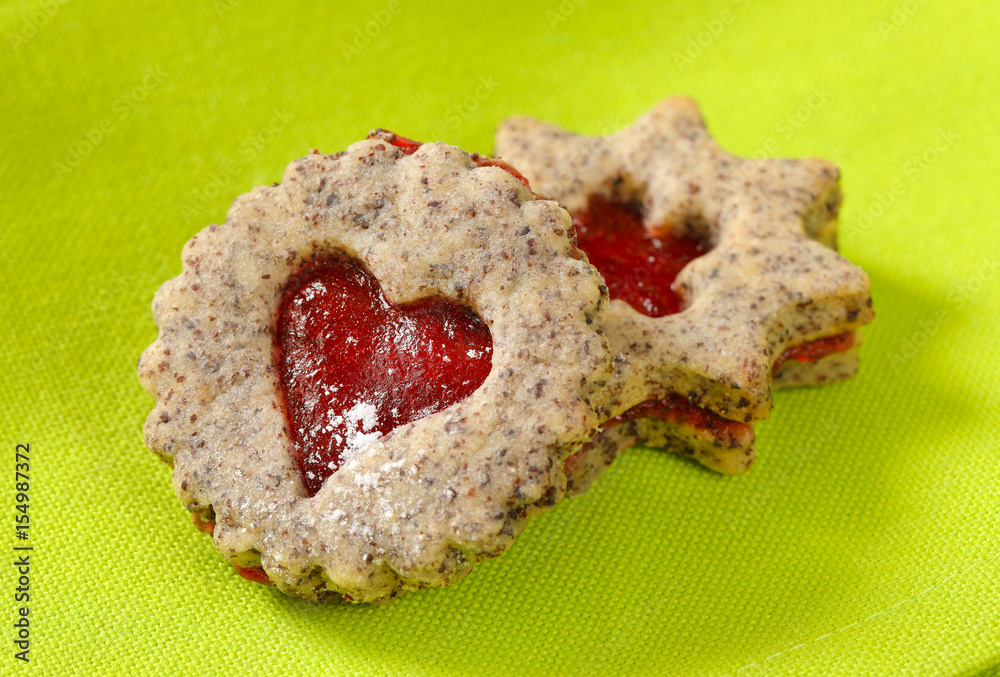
{"points": [[354, 366]]}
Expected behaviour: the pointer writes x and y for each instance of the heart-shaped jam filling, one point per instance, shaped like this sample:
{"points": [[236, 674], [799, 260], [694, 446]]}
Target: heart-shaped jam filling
{"points": [[354, 366], [638, 267]]}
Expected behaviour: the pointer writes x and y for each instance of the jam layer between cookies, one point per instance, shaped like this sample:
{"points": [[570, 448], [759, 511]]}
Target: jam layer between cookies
{"points": [[639, 266]]}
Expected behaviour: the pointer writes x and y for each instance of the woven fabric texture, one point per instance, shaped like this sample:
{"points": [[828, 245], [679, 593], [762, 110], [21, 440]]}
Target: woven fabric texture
{"points": [[864, 542]]}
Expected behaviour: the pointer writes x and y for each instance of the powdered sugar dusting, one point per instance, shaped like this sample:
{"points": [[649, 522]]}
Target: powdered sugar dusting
{"points": [[378, 526], [359, 420]]}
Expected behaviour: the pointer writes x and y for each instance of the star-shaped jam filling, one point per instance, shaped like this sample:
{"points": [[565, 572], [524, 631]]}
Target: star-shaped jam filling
{"points": [[731, 287]]}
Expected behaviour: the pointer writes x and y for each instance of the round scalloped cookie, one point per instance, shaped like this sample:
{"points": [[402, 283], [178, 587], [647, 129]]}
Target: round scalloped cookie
{"points": [[421, 504]]}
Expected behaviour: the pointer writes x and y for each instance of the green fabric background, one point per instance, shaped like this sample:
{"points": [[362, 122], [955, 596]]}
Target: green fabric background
{"points": [[865, 541]]}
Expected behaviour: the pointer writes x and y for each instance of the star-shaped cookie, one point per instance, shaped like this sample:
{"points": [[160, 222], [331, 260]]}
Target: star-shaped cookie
{"points": [[771, 281]]}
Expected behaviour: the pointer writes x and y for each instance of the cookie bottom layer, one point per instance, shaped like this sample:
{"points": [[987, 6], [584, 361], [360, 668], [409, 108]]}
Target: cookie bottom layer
{"points": [[835, 367], [730, 455], [722, 451]]}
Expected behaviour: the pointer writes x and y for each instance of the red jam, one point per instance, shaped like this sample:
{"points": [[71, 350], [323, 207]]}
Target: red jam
{"points": [[354, 366], [678, 409], [638, 267], [254, 574], [410, 146], [484, 161], [814, 351], [203, 525]]}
